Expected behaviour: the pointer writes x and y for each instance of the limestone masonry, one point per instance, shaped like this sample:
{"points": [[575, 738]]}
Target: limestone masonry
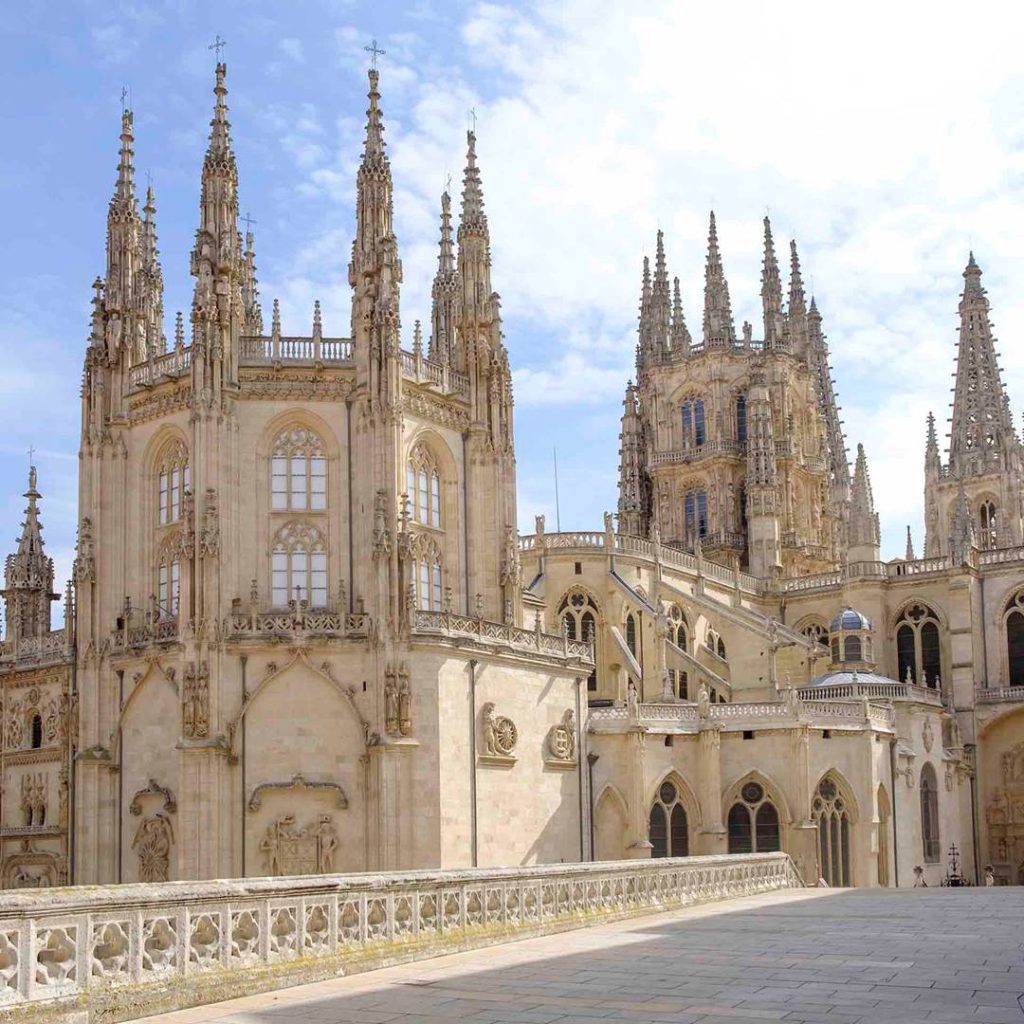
{"points": [[304, 636]]}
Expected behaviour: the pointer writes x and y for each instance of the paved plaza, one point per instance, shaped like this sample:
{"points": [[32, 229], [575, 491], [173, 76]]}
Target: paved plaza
{"points": [[822, 956]]}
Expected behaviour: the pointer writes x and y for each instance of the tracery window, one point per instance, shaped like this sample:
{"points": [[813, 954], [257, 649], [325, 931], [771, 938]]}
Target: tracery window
{"points": [[753, 823], [694, 432], [631, 633], [423, 486], [174, 477], [929, 814], [1015, 639], [695, 506], [832, 815], [988, 534], [816, 631], [298, 472], [677, 629], [298, 566], [428, 581], [741, 418], [715, 644], [918, 650], [578, 614], [168, 586], [667, 825]]}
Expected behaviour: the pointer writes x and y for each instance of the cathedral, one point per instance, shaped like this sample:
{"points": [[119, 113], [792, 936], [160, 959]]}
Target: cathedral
{"points": [[304, 635]]}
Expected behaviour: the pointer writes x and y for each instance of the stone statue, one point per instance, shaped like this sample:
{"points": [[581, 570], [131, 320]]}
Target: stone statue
{"points": [[703, 702], [391, 705], [153, 840], [404, 704]]}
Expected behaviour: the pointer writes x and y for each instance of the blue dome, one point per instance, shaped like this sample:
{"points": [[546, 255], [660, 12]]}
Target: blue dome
{"points": [[848, 618]]}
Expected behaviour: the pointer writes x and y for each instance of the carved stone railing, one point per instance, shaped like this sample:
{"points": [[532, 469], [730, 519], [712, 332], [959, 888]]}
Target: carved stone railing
{"points": [[999, 695], [917, 567], [52, 646], [694, 453], [501, 634], [125, 951], [133, 638], [289, 623], [295, 351], [997, 556], [423, 371], [170, 364], [686, 717], [873, 691]]}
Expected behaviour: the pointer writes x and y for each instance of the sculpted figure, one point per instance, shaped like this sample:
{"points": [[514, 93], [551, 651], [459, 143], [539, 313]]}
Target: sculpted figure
{"points": [[703, 701], [152, 842]]}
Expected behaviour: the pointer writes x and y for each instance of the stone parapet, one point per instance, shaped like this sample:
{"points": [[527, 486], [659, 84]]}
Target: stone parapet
{"points": [[124, 951]]}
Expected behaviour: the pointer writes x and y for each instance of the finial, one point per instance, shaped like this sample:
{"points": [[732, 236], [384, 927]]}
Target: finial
{"points": [[317, 325], [374, 51], [909, 554], [179, 331], [417, 339], [275, 320]]}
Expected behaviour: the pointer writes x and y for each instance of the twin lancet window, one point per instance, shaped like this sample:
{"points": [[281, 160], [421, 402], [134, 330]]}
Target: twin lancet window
{"points": [[174, 480], [423, 491]]}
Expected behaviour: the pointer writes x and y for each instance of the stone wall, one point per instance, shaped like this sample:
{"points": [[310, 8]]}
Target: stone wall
{"points": [[121, 952]]}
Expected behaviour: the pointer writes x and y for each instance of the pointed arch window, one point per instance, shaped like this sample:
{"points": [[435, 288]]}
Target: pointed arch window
{"points": [[174, 478], [988, 534], [696, 513], [423, 486], [918, 646], [298, 472], [817, 632], [679, 632], [832, 816], [668, 830], [741, 419], [631, 633], [36, 731], [298, 566], [753, 822], [578, 614], [168, 586], [929, 815], [428, 575], [1015, 639], [693, 425], [715, 643]]}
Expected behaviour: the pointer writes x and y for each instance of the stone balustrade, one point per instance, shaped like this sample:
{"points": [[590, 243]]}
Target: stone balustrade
{"points": [[167, 365], [683, 717], [482, 630], [295, 351], [52, 646], [118, 952], [423, 371], [999, 695], [873, 691], [292, 622]]}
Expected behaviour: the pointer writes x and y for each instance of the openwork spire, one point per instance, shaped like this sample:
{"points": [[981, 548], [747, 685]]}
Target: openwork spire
{"points": [[909, 555], [219, 151], [719, 330], [633, 489], [661, 299], [771, 293], [645, 334], [817, 360], [124, 188], [444, 293], [473, 218], [864, 525], [373, 147], [252, 311], [982, 434], [681, 340], [796, 319], [150, 290], [28, 575], [123, 233]]}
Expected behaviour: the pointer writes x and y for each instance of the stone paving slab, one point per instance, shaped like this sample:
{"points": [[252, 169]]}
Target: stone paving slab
{"points": [[806, 956]]}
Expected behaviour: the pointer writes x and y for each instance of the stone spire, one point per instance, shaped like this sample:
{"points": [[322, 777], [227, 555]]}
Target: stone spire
{"points": [[864, 532], [123, 230], [661, 300], [646, 330], [681, 340], [771, 294], [150, 289], [762, 479], [909, 555], [719, 331], [474, 260], [28, 575], [933, 539], [796, 318], [444, 295], [817, 359], [216, 251], [633, 490], [982, 435], [252, 312]]}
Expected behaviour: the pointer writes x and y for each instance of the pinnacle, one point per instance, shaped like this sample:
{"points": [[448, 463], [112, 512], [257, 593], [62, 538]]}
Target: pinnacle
{"points": [[473, 215], [373, 148], [796, 282], [219, 150]]}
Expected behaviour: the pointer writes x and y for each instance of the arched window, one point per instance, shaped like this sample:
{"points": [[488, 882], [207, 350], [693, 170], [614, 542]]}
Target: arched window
{"points": [[631, 633], [816, 631], [918, 650], [694, 432], [174, 477], [741, 419], [667, 831], [715, 644], [578, 614], [852, 648], [695, 507], [720, 648], [1015, 647], [168, 583], [753, 822], [678, 632], [423, 485], [298, 472], [929, 814], [428, 581], [988, 534], [36, 730], [298, 566], [830, 812]]}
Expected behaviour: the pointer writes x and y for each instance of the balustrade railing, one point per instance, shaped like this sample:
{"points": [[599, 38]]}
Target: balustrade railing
{"points": [[422, 370], [168, 364], [996, 556], [879, 691], [450, 624], [261, 351], [999, 695], [289, 622], [158, 631], [48, 647], [109, 953], [694, 453]]}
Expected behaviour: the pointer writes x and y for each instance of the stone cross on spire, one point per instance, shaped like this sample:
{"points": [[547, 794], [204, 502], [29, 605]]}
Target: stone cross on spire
{"points": [[374, 51]]}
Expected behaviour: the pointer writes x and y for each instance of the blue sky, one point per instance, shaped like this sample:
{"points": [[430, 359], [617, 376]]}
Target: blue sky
{"points": [[888, 145]]}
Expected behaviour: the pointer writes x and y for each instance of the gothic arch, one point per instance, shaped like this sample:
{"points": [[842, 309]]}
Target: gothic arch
{"points": [[167, 442], [1011, 637], [934, 612], [611, 820], [844, 787], [303, 419], [814, 627], [438, 447], [686, 795], [771, 788], [154, 671], [166, 438]]}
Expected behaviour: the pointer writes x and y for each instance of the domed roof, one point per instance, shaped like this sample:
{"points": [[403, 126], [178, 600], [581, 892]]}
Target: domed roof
{"points": [[849, 618]]}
